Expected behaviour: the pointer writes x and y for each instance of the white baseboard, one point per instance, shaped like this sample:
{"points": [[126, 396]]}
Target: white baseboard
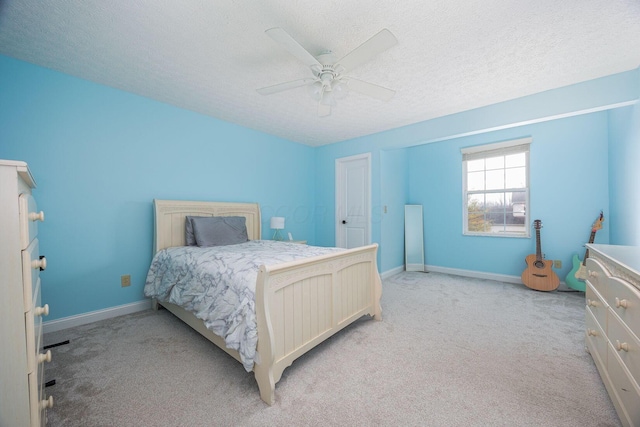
{"points": [[458, 272], [476, 274], [107, 313], [392, 272], [94, 316]]}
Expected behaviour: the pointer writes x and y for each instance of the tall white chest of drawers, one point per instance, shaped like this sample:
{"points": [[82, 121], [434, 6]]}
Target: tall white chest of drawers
{"points": [[613, 324], [22, 397]]}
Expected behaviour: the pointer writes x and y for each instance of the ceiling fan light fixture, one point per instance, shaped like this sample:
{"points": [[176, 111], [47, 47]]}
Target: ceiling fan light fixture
{"points": [[339, 89], [315, 90], [328, 82]]}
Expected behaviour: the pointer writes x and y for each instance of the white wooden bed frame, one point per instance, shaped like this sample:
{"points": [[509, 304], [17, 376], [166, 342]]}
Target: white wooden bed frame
{"points": [[299, 304]]}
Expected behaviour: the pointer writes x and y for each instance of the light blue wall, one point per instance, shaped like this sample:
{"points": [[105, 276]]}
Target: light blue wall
{"points": [[394, 193], [543, 108], [568, 188], [594, 95], [624, 175], [100, 156]]}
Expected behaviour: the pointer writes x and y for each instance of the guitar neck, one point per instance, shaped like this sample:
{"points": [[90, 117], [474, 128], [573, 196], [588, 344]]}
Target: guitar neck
{"points": [[592, 238], [538, 246]]}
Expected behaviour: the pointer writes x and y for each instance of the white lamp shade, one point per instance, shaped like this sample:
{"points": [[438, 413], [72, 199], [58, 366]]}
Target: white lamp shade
{"points": [[315, 90], [277, 222], [339, 90]]}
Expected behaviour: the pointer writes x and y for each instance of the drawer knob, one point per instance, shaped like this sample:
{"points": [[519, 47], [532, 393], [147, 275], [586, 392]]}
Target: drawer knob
{"points": [[46, 403], [593, 273], [592, 303], [39, 263], [622, 346], [44, 357], [42, 311], [36, 216], [621, 303], [591, 332]]}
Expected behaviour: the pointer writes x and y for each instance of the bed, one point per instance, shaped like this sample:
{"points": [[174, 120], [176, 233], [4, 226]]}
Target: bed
{"points": [[298, 304]]}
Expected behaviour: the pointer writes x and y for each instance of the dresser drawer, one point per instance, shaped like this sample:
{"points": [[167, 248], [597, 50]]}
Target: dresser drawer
{"points": [[36, 360], [37, 402], [34, 341], [33, 325], [627, 393], [31, 266], [597, 305], [596, 341], [597, 275], [624, 300], [626, 345], [29, 217]]}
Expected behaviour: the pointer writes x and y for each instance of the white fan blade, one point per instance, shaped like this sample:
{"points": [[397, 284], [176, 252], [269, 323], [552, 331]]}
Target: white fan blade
{"points": [[367, 50], [324, 110], [370, 89], [284, 86], [292, 46]]}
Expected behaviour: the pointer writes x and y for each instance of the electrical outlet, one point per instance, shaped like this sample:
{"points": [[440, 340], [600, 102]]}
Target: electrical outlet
{"points": [[125, 280], [557, 263]]}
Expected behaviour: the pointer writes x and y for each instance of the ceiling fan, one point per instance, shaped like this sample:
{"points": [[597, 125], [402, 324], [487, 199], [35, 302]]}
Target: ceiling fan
{"points": [[329, 81]]}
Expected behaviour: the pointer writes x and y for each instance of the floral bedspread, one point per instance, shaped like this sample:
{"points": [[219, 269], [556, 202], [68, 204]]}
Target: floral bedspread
{"points": [[218, 285]]}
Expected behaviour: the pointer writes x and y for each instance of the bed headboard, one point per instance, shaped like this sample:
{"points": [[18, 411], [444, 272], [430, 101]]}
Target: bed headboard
{"points": [[169, 219]]}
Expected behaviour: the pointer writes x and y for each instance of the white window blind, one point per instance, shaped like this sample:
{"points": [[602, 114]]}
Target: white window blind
{"points": [[497, 149]]}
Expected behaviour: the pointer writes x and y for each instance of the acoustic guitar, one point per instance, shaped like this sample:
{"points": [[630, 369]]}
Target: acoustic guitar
{"points": [[538, 275], [578, 274]]}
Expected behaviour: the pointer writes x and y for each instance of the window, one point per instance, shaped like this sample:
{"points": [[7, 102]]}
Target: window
{"points": [[496, 189]]}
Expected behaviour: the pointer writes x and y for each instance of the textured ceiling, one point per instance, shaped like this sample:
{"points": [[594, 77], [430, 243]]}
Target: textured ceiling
{"points": [[210, 56]]}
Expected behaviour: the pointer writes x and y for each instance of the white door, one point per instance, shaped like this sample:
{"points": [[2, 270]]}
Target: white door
{"points": [[353, 201]]}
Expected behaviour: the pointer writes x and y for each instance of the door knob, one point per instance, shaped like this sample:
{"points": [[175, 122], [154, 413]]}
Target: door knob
{"points": [[344, 221]]}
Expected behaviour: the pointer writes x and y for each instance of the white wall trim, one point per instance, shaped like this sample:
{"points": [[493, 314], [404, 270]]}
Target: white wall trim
{"points": [[476, 274], [392, 272], [94, 316], [490, 276], [134, 307], [457, 272]]}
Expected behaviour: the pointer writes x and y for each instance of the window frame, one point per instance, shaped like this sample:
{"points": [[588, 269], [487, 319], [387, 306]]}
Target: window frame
{"points": [[521, 145]]}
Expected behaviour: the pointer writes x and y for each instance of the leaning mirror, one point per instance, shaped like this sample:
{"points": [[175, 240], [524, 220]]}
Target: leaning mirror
{"points": [[413, 238]]}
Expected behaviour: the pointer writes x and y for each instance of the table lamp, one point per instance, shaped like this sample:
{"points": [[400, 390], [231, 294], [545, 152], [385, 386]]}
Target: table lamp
{"points": [[277, 223]]}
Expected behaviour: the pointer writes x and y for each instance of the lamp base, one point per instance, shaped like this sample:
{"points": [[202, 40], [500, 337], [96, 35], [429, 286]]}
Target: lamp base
{"points": [[277, 236]]}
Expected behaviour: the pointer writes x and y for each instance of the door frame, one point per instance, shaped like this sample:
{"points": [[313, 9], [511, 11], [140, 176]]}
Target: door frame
{"points": [[339, 193]]}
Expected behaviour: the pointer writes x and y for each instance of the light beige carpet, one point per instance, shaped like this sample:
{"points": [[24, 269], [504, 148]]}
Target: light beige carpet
{"points": [[450, 351]]}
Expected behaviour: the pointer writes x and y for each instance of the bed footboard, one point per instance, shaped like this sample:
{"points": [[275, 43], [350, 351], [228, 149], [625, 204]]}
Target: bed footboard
{"points": [[302, 303]]}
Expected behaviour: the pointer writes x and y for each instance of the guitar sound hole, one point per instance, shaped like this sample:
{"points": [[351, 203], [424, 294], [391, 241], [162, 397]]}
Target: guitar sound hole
{"points": [[539, 264]]}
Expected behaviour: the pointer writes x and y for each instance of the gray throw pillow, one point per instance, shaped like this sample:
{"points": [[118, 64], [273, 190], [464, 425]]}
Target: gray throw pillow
{"points": [[189, 238], [220, 230]]}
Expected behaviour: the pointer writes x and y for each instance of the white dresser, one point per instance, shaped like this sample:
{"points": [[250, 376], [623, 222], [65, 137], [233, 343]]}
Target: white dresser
{"points": [[613, 324], [22, 397]]}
